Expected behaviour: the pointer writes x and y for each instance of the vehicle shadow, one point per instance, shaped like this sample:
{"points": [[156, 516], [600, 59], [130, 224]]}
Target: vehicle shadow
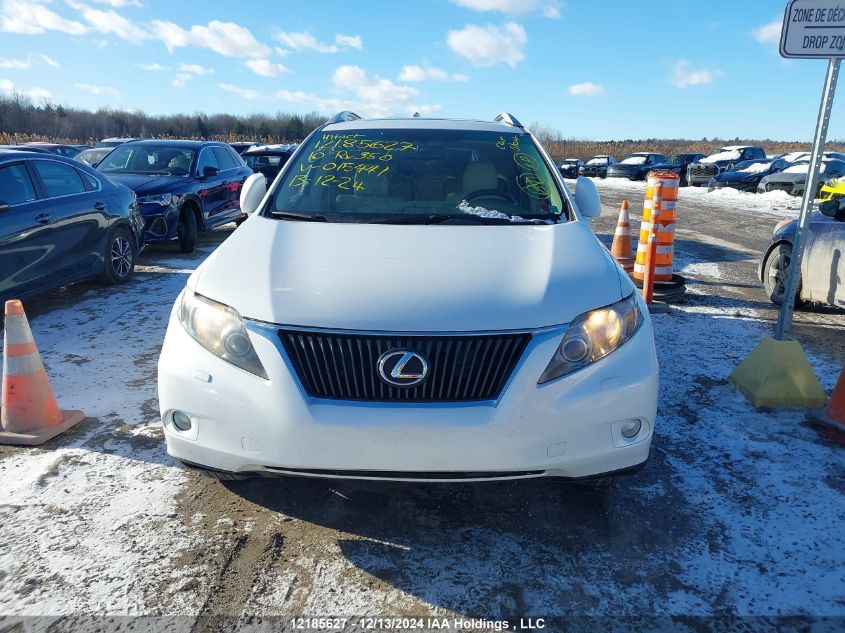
{"points": [[492, 549]]}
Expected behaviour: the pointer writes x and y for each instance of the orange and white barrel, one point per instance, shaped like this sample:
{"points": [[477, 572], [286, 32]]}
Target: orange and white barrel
{"points": [[664, 265]]}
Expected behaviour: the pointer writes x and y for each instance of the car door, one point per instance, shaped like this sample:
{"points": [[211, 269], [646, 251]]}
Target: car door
{"points": [[823, 267], [75, 205], [233, 180], [212, 191], [26, 242]]}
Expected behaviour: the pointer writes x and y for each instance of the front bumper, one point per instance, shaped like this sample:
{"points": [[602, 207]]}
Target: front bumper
{"points": [[160, 222], [740, 186], [566, 428]]}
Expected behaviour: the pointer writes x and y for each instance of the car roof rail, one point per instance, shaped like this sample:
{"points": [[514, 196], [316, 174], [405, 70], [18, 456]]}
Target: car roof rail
{"points": [[343, 117], [508, 119]]}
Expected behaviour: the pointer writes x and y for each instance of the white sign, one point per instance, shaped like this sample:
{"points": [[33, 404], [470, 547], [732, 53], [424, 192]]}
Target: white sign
{"points": [[814, 29]]}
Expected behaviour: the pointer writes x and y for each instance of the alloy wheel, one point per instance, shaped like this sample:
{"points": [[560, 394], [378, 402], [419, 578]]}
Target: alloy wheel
{"points": [[121, 256]]}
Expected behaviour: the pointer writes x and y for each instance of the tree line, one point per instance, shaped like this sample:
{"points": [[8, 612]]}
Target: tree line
{"points": [[23, 121]]}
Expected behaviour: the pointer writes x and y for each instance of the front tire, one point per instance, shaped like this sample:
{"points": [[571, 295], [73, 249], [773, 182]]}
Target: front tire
{"points": [[120, 254], [775, 271], [187, 231]]}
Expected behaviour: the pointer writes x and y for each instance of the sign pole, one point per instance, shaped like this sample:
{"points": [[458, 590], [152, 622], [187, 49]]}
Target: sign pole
{"points": [[787, 307]]}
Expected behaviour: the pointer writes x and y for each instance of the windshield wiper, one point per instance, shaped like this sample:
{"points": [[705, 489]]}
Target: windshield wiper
{"points": [[300, 217], [439, 218]]}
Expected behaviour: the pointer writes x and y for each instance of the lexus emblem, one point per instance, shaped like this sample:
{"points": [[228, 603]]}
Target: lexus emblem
{"points": [[402, 367]]}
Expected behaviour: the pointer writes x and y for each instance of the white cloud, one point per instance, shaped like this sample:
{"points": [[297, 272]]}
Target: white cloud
{"points": [[35, 94], [349, 41], [424, 110], [586, 89], [117, 4], [303, 41], [98, 90], [16, 64], [108, 21], [265, 68], [428, 73], [225, 38], [769, 32], [196, 69], [364, 92], [684, 75], [490, 45], [154, 67], [246, 93], [549, 8], [181, 80], [30, 17], [52, 63], [26, 64]]}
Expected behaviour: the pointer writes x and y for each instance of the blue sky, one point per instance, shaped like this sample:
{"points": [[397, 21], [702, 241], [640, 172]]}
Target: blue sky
{"points": [[597, 69]]}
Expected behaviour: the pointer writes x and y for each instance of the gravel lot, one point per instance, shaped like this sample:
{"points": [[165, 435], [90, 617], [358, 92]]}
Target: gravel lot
{"points": [[738, 512]]}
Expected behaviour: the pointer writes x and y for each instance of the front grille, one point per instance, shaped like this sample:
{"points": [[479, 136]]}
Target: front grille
{"points": [[344, 366], [779, 186], [703, 169]]}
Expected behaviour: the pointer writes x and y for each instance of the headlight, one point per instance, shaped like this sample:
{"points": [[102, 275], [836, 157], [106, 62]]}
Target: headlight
{"points": [[162, 199], [220, 330], [592, 336]]}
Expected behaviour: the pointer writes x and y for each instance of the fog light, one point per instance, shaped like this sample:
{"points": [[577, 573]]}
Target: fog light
{"points": [[181, 421], [630, 428]]}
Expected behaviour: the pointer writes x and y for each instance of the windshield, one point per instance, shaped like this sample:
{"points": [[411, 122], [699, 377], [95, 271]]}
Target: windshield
{"points": [[148, 159], [411, 176], [634, 160], [257, 161]]}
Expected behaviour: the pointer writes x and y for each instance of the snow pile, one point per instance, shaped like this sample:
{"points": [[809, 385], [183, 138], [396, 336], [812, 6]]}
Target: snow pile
{"points": [[464, 207], [598, 160], [755, 168], [633, 160], [728, 155]]}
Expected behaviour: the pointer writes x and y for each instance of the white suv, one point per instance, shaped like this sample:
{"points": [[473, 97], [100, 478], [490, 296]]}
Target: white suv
{"points": [[417, 300]]}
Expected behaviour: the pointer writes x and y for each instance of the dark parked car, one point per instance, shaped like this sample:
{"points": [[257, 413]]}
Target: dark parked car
{"points": [[822, 265], [182, 186], [25, 148], [723, 159], [597, 166], [242, 146], [793, 179], [636, 166], [678, 165], [68, 151], [569, 167], [114, 142], [93, 156], [60, 222], [746, 176], [268, 159]]}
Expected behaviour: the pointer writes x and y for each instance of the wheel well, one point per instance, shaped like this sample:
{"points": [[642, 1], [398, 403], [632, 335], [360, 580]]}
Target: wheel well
{"points": [[193, 207], [768, 252]]}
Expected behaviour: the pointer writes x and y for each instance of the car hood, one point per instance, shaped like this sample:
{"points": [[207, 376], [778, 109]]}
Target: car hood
{"points": [[670, 166], [791, 177], [146, 185], [738, 176], [618, 167], [411, 278]]}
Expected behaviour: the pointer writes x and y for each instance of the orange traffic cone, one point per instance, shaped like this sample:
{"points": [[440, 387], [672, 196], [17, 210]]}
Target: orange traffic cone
{"points": [[834, 412], [621, 248], [29, 414]]}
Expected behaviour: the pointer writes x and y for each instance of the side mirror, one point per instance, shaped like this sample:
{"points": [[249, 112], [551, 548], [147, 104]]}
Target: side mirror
{"points": [[587, 198], [209, 172], [252, 193], [833, 209]]}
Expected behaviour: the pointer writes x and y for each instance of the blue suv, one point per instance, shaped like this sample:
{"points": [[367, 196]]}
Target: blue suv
{"points": [[182, 186]]}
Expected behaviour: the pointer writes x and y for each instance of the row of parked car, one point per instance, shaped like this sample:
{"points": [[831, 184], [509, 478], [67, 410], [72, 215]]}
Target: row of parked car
{"points": [[69, 213], [743, 167]]}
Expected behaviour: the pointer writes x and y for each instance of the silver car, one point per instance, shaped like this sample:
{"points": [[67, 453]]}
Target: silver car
{"points": [[823, 265]]}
